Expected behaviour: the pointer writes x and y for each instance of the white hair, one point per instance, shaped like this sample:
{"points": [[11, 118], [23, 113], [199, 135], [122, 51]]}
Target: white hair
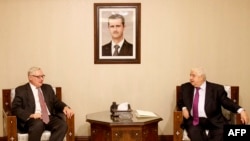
{"points": [[200, 72]]}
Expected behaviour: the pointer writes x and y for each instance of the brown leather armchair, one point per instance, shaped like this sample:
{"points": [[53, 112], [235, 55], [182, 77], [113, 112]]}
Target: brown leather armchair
{"points": [[180, 135], [10, 130]]}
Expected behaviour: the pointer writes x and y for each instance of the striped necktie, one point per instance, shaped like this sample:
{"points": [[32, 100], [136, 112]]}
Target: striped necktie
{"points": [[116, 50], [44, 112]]}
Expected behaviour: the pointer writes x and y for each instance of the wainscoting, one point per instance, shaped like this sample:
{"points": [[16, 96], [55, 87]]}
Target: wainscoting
{"points": [[87, 138], [160, 138]]}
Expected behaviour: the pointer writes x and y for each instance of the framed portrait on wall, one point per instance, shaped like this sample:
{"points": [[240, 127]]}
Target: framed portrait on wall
{"points": [[117, 33]]}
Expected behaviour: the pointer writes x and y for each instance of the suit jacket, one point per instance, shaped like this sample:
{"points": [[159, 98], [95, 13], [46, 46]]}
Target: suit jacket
{"points": [[126, 49], [23, 104], [215, 97]]}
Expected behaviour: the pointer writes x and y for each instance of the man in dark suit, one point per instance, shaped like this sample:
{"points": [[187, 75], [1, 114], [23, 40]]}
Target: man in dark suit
{"points": [[116, 26], [26, 106], [211, 97]]}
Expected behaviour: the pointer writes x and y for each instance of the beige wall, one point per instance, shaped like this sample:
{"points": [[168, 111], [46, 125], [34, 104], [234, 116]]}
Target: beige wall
{"points": [[175, 36]]}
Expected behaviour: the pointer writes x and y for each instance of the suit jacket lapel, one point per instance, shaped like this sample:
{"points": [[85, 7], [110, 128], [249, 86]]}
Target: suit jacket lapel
{"points": [[124, 48], [190, 95], [106, 49], [207, 93], [30, 96], [46, 97]]}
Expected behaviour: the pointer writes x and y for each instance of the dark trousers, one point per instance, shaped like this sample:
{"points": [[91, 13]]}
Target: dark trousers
{"points": [[198, 132], [35, 128]]}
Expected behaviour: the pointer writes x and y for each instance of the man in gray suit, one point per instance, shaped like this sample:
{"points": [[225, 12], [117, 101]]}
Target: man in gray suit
{"points": [[116, 26], [28, 109]]}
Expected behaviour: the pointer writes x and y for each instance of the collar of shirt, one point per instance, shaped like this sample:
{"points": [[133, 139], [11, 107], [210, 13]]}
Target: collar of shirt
{"points": [[202, 90], [36, 97], [203, 86], [119, 44], [35, 94], [201, 105], [33, 88]]}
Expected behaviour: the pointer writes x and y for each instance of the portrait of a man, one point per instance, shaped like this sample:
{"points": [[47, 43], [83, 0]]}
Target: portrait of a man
{"points": [[118, 46], [117, 33]]}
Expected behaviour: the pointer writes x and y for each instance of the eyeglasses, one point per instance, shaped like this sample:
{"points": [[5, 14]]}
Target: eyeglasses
{"points": [[38, 76]]}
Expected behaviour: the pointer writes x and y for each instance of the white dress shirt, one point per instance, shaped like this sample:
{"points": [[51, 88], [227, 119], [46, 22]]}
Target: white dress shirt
{"points": [[37, 102], [119, 44], [201, 104]]}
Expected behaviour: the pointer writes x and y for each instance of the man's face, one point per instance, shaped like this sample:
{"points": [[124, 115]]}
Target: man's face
{"points": [[116, 28], [36, 78], [195, 79]]}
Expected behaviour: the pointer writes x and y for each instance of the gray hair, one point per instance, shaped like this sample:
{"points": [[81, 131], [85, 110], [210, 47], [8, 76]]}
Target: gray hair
{"points": [[32, 70], [200, 72]]}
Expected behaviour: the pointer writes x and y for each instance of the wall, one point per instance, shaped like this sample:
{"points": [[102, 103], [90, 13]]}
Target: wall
{"points": [[176, 35]]}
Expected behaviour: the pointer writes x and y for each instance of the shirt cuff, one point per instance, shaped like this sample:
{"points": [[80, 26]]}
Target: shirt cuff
{"points": [[240, 110]]}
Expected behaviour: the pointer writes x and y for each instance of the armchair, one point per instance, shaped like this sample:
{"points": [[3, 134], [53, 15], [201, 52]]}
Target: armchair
{"points": [[180, 134], [10, 130]]}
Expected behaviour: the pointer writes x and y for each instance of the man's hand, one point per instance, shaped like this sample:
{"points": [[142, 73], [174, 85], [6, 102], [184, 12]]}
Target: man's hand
{"points": [[36, 116], [244, 117], [185, 113], [68, 112]]}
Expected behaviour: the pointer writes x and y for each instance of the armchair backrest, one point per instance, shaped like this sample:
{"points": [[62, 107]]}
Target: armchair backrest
{"points": [[9, 94]]}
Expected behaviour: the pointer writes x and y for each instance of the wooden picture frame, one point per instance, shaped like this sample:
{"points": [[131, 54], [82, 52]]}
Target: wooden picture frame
{"points": [[130, 50]]}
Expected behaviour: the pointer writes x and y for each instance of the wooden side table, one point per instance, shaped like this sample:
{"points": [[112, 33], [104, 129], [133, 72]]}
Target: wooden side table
{"points": [[105, 128]]}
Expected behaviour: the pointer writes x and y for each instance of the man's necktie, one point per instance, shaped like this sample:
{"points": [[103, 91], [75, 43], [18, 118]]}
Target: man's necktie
{"points": [[195, 107], [116, 50], [44, 112]]}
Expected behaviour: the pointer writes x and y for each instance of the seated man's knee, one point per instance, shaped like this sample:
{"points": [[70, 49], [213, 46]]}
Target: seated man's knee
{"points": [[36, 125], [62, 125]]}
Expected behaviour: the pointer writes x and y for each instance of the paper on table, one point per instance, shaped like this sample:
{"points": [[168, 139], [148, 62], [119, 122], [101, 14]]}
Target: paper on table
{"points": [[123, 106], [141, 113]]}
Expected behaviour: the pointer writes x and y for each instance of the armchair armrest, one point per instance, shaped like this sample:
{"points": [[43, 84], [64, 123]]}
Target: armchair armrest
{"points": [[235, 118], [9, 125], [178, 131], [178, 118], [70, 135]]}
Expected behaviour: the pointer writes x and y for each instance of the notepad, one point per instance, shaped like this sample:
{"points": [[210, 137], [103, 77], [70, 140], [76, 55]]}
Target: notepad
{"points": [[142, 113]]}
